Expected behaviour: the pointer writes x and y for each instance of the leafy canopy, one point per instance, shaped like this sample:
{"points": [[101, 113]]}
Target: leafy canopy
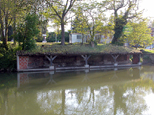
{"points": [[27, 30], [138, 34]]}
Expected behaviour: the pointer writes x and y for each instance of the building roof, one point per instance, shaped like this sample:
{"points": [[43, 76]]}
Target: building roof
{"points": [[79, 50]]}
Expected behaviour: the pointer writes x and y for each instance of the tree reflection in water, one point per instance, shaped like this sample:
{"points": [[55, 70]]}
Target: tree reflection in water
{"points": [[89, 92]]}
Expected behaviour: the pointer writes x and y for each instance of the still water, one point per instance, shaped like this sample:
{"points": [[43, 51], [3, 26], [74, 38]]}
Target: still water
{"points": [[128, 91]]}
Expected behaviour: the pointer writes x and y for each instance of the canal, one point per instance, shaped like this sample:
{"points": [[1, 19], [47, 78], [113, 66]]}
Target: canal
{"points": [[122, 91]]}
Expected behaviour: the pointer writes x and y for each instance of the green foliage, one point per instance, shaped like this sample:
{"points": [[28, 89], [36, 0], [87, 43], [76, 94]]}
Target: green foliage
{"points": [[147, 51], [89, 22], [58, 11], [118, 29], [52, 37], [8, 58], [80, 22], [26, 32], [39, 37], [138, 34], [104, 27], [77, 48], [121, 17]]}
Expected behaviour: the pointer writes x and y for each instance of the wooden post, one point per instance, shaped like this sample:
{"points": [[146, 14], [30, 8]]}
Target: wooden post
{"points": [[50, 59], [139, 60], [18, 63], [115, 59], [86, 59]]}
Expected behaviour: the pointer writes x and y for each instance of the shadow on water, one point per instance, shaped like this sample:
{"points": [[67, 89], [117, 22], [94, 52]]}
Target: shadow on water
{"points": [[109, 92]]}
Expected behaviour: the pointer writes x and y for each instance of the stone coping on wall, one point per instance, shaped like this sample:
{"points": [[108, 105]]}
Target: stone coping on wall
{"points": [[74, 68], [75, 54]]}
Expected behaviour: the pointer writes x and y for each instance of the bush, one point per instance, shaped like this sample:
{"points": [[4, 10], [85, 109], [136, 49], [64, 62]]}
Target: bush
{"points": [[26, 32], [8, 58]]}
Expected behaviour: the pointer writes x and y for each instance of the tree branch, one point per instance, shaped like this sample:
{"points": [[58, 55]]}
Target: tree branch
{"points": [[70, 6], [65, 7], [51, 5]]}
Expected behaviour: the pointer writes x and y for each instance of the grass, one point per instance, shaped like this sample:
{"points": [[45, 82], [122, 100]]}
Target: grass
{"points": [[148, 51], [7, 42], [78, 49]]}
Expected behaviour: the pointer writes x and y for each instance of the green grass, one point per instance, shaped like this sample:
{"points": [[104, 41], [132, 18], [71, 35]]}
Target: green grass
{"points": [[78, 49], [148, 51], [7, 42]]}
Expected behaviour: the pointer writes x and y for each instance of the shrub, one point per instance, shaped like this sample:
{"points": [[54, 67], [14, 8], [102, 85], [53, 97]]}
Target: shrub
{"points": [[8, 58], [26, 32]]}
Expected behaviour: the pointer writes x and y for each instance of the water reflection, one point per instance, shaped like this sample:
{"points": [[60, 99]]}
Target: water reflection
{"points": [[105, 92]]}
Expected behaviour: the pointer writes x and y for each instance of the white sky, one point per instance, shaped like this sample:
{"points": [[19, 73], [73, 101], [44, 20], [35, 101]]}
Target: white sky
{"points": [[147, 5]]}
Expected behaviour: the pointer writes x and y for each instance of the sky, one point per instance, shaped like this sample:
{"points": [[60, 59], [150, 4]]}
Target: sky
{"points": [[147, 5]]}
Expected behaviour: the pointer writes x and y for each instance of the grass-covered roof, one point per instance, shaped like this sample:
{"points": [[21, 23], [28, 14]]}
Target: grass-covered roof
{"points": [[78, 49]]}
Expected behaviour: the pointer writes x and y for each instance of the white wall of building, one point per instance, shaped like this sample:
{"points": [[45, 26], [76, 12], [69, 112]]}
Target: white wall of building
{"points": [[74, 38]]}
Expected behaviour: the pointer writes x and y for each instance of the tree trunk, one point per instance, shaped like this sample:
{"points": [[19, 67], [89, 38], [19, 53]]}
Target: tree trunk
{"points": [[14, 24], [118, 29], [3, 36], [82, 38], [14, 31], [6, 29], [62, 33], [117, 35], [92, 44]]}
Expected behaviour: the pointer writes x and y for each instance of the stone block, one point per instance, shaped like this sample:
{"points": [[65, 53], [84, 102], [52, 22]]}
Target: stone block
{"points": [[87, 66], [139, 63], [51, 67], [116, 64]]}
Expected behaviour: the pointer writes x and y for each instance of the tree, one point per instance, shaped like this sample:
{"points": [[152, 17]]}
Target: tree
{"points": [[10, 33], [13, 11], [58, 11], [79, 24], [105, 27], [123, 11], [6, 11], [91, 16], [34, 7], [89, 20], [138, 34], [56, 25], [27, 30]]}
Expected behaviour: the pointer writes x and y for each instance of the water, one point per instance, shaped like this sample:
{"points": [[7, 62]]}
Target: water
{"points": [[128, 91]]}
